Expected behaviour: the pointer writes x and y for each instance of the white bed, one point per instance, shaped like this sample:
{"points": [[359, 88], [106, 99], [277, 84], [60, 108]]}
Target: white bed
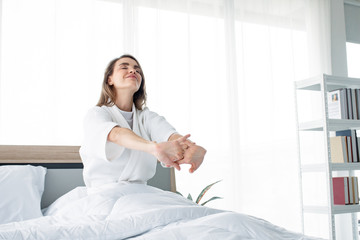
{"points": [[130, 211]]}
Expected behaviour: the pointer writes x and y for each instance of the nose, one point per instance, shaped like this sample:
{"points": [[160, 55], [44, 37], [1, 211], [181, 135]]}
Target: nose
{"points": [[132, 70]]}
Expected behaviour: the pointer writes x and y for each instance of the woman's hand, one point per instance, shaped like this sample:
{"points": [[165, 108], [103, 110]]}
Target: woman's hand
{"points": [[194, 155], [171, 151]]}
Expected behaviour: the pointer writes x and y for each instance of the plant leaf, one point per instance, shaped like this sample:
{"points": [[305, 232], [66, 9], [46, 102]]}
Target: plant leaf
{"points": [[190, 197], [204, 191], [179, 193], [211, 199]]}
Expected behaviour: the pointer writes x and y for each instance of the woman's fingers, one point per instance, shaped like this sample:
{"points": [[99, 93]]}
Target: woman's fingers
{"points": [[176, 165], [186, 144], [176, 152], [179, 155], [193, 166], [182, 161], [183, 138], [194, 156]]}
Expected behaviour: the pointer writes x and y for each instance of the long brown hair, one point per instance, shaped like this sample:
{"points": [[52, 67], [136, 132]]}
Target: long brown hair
{"points": [[108, 93]]}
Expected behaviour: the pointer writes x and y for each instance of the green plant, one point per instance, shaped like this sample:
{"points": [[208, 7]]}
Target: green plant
{"points": [[202, 193]]}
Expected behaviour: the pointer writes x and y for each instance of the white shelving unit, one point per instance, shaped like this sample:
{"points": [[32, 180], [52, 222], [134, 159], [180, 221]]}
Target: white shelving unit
{"points": [[323, 84]]}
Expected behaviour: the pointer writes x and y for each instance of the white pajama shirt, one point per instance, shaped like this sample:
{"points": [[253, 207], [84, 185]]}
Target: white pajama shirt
{"points": [[108, 163]]}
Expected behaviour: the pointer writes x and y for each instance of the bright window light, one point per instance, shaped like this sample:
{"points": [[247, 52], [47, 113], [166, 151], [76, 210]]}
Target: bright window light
{"points": [[353, 59]]}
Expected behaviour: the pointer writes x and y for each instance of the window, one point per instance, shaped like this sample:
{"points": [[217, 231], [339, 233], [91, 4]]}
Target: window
{"points": [[53, 54], [353, 59]]}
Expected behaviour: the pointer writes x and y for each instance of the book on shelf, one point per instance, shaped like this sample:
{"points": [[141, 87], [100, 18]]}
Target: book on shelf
{"points": [[344, 103], [349, 149], [337, 104], [352, 145], [357, 92], [341, 190], [351, 191], [349, 103], [354, 104], [338, 146], [356, 191], [345, 190]]}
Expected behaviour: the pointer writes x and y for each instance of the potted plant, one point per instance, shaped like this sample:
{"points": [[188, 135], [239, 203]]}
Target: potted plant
{"points": [[202, 193]]}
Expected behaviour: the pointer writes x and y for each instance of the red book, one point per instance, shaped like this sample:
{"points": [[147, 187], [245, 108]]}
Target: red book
{"points": [[341, 190]]}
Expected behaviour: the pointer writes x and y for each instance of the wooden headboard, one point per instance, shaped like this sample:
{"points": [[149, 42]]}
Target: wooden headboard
{"points": [[64, 168], [27, 154]]}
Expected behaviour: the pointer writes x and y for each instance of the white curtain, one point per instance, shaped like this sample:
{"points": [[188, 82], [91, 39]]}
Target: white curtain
{"points": [[222, 70]]}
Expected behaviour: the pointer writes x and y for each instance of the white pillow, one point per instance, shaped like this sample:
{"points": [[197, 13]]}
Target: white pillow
{"points": [[21, 189]]}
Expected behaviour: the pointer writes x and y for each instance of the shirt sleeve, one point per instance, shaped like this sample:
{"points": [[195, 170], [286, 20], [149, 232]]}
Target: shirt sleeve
{"points": [[157, 127], [97, 126]]}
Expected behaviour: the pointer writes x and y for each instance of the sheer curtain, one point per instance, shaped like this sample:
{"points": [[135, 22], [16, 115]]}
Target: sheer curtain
{"points": [[222, 70]]}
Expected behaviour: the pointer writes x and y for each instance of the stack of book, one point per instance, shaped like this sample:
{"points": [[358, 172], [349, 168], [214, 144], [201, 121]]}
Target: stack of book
{"points": [[345, 190], [345, 147], [344, 103]]}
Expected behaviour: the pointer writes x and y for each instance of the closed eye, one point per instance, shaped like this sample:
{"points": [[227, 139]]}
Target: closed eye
{"points": [[125, 66]]}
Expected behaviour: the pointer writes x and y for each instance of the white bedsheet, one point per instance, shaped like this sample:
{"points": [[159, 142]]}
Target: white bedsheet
{"points": [[137, 211]]}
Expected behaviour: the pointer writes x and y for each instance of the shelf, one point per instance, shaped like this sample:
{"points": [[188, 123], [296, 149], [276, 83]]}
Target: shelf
{"points": [[313, 167], [343, 124], [339, 209], [335, 82], [333, 125], [336, 209], [309, 84], [332, 82], [321, 167], [345, 166], [311, 126], [325, 169]]}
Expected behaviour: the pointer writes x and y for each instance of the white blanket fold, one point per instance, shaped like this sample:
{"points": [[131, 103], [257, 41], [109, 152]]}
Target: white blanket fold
{"points": [[138, 211]]}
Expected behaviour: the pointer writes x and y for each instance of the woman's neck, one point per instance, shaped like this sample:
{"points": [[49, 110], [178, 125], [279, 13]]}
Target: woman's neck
{"points": [[124, 102]]}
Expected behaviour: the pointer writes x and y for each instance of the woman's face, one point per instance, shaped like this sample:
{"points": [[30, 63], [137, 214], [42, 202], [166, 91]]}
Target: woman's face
{"points": [[126, 75]]}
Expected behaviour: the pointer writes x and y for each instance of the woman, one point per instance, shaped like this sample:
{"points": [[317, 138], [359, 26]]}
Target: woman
{"points": [[122, 139]]}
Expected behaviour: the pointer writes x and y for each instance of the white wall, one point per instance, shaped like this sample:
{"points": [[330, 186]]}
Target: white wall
{"points": [[338, 39]]}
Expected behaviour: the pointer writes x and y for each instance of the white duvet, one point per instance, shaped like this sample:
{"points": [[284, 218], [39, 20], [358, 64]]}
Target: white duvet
{"points": [[137, 211]]}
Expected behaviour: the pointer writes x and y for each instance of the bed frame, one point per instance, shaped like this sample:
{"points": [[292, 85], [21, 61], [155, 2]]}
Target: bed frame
{"points": [[64, 168]]}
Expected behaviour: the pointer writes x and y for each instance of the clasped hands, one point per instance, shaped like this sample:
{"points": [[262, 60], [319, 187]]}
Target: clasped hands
{"points": [[180, 151]]}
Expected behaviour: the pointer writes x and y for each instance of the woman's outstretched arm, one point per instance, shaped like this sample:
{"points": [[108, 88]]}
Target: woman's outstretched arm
{"points": [[166, 152]]}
